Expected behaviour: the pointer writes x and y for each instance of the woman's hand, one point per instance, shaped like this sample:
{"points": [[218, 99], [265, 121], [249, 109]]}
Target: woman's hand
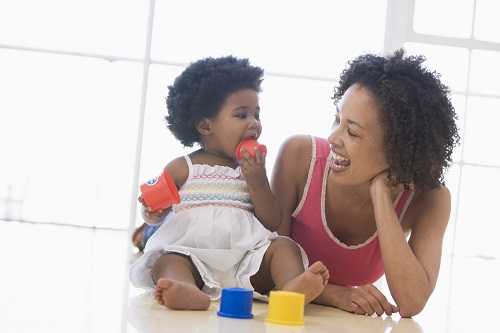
{"points": [[364, 300], [380, 185], [253, 169]]}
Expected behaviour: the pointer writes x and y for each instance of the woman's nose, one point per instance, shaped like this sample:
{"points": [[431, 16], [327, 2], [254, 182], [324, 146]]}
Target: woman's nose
{"points": [[335, 138]]}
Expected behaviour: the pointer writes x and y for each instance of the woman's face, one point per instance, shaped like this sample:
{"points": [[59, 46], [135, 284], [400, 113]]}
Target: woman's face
{"points": [[357, 138]]}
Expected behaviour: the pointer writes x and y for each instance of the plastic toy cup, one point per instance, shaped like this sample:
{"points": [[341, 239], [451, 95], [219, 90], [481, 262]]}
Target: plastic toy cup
{"points": [[286, 308], [236, 303], [160, 192], [250, 145]]}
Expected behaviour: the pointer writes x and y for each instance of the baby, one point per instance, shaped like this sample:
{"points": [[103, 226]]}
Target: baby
{"points": [[216, 237]]}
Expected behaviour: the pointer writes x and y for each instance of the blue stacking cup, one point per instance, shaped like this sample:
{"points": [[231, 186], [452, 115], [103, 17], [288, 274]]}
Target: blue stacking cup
{"points": [[236, 303]]}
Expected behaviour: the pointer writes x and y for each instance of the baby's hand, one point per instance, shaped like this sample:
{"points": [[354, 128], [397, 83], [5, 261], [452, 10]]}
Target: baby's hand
{"points": [[152, 217], [253, 169]]}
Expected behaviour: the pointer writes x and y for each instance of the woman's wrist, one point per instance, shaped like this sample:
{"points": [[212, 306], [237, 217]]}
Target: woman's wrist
{"points": [[329, 295], [379, 187]]}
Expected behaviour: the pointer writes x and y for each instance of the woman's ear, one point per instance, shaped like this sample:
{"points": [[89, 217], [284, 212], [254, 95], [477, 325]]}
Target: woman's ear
{"points": [[204, 127]]}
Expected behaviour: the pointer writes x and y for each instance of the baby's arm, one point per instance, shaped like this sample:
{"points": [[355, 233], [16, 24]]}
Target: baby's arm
{"points": [[266, 206], [178, 169], [277, 203]]}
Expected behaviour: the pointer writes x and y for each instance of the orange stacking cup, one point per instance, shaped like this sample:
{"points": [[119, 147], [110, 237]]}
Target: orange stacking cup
{"points": [[160, 192], [250, 145]]}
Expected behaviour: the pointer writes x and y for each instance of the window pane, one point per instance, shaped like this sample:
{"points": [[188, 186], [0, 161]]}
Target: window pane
{"points": [[483, 117], [444, 18], [450, 62], [294, 106], [115, 27], [474, 280], [487, 25], [485, 71], [72, 125], [62, 257], [159, 145], [291, 37], [477, 229]]}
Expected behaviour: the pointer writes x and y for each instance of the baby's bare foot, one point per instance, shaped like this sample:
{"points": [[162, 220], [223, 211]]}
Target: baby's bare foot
{"points": [[178, 295], [310, 283]]}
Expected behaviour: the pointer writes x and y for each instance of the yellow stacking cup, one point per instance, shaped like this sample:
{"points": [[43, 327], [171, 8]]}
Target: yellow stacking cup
{"points": [[286, 308]]}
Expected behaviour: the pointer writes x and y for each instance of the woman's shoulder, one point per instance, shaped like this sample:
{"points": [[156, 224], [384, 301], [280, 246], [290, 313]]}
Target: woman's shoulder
{"points": [[297, 143], [434, 203], [303, 148], [436, 196], [297, 148], [292, 164]]}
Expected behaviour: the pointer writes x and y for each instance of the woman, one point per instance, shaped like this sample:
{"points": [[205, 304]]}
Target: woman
{"points": [[352, 200]]}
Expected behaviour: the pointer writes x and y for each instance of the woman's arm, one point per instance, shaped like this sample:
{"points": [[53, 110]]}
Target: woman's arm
{"points": [[411, 268]]}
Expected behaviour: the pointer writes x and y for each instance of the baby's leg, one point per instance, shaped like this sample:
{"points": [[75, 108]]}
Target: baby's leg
{"points": [[282, 268], [178, 283]]}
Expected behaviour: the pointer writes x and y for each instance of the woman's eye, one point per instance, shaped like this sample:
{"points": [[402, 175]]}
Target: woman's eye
{"points": [[336, 122], [351, 133], [337, 119]]}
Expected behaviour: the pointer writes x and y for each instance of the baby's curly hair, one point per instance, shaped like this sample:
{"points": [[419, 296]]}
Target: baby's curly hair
{"points": [[416, 113], [202, 88]]}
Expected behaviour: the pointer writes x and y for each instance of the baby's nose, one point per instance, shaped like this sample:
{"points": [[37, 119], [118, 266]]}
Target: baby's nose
{"points": [[254, 123]]}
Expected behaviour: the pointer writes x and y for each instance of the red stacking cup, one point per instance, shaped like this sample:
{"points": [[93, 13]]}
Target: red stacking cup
{"points": [[250, 145], [160, 192]]}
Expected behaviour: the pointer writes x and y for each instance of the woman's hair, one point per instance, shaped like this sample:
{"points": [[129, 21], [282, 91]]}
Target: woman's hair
{"points": [[416, 113], [201, 90]]}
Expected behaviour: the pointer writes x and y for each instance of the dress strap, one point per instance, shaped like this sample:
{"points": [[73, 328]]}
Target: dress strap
{"points": [[312, 164], [190, 167], [403, 202]]}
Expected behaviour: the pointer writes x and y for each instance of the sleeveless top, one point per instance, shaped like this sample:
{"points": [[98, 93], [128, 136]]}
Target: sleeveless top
{"points": [[349, 265], [213, 186]]}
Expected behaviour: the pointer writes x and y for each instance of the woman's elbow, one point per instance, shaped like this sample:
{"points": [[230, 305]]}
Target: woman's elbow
{"points": [[411, 301], [409, 312], [410, 309]]}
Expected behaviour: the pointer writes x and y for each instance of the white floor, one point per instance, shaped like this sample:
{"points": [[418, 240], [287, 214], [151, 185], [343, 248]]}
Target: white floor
{"points": [[66, 279]]}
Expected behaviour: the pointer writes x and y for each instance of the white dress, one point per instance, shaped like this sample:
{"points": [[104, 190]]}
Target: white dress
{"points": [[215, 226]]}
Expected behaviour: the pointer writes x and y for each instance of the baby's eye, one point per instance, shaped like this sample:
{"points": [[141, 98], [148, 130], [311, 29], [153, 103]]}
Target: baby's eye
{"points": [[241, 115]]}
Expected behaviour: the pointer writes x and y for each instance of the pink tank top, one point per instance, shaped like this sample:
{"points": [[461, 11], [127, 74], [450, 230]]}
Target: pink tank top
{"points": [[349, 265]]}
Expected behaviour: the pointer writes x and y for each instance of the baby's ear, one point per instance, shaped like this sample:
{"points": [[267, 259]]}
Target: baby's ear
{"points": [[204, 127]]}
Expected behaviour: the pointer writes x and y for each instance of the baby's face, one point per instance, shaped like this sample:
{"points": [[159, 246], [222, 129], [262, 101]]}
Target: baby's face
{"points": [[238, 119]]}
